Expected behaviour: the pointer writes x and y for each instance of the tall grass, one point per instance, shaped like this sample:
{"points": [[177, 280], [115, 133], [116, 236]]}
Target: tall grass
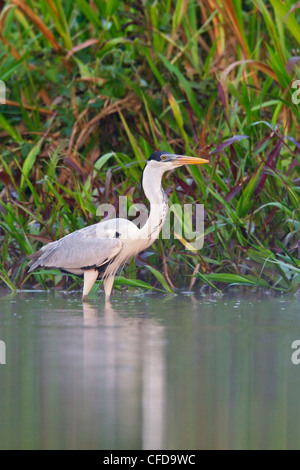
{"points": [[94, 87]]}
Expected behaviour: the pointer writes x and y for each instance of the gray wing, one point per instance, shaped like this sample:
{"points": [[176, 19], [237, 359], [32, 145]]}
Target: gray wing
{"points": [[88, 247]]}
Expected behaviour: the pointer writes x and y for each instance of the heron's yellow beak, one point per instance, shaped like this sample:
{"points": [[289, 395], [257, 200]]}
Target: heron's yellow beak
{"points": [[185, 160]]}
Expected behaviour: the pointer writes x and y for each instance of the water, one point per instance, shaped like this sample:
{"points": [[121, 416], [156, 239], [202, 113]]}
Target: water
{"points": [[149, 372]]}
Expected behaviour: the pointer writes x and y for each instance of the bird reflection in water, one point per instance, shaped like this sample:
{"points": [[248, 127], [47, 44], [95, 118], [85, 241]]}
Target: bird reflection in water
{"points": [[126, 348]]}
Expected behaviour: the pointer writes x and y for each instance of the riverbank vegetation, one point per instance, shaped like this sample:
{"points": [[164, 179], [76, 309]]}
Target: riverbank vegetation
{"points": [[94, 87]]}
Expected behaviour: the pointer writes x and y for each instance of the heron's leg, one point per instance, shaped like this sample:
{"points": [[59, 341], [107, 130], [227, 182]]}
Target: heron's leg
{"points": [[90, 277], [108, 285]]}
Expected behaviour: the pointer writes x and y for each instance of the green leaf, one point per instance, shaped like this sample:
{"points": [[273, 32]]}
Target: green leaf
{"points": [[237, 279], [30, 161], [9, 129], [102, 160], [123, 281], [160, 279], [88, 12]]}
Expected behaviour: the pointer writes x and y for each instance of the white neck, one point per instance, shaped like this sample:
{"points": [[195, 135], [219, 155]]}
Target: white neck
{"points": [[154, 192]]}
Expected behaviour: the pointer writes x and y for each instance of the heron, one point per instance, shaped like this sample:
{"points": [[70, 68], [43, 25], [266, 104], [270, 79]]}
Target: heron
{"points": [[98, 251]]}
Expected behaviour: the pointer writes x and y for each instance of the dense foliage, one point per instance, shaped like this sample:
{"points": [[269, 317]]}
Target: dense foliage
{"points": [[93, 87]]}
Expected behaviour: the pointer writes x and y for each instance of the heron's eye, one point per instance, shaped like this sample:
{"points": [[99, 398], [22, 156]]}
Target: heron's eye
{"points": [[163, 157]]}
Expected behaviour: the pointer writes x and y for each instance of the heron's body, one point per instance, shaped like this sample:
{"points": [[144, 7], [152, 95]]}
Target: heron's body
{"points": [[98, 251]]}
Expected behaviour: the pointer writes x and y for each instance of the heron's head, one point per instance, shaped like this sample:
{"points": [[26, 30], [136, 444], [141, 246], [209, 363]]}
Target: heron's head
{"points": [[168, 161]]}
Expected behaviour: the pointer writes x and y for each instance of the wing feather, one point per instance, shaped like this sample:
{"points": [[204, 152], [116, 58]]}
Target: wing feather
{"points": [[88, 247]]}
